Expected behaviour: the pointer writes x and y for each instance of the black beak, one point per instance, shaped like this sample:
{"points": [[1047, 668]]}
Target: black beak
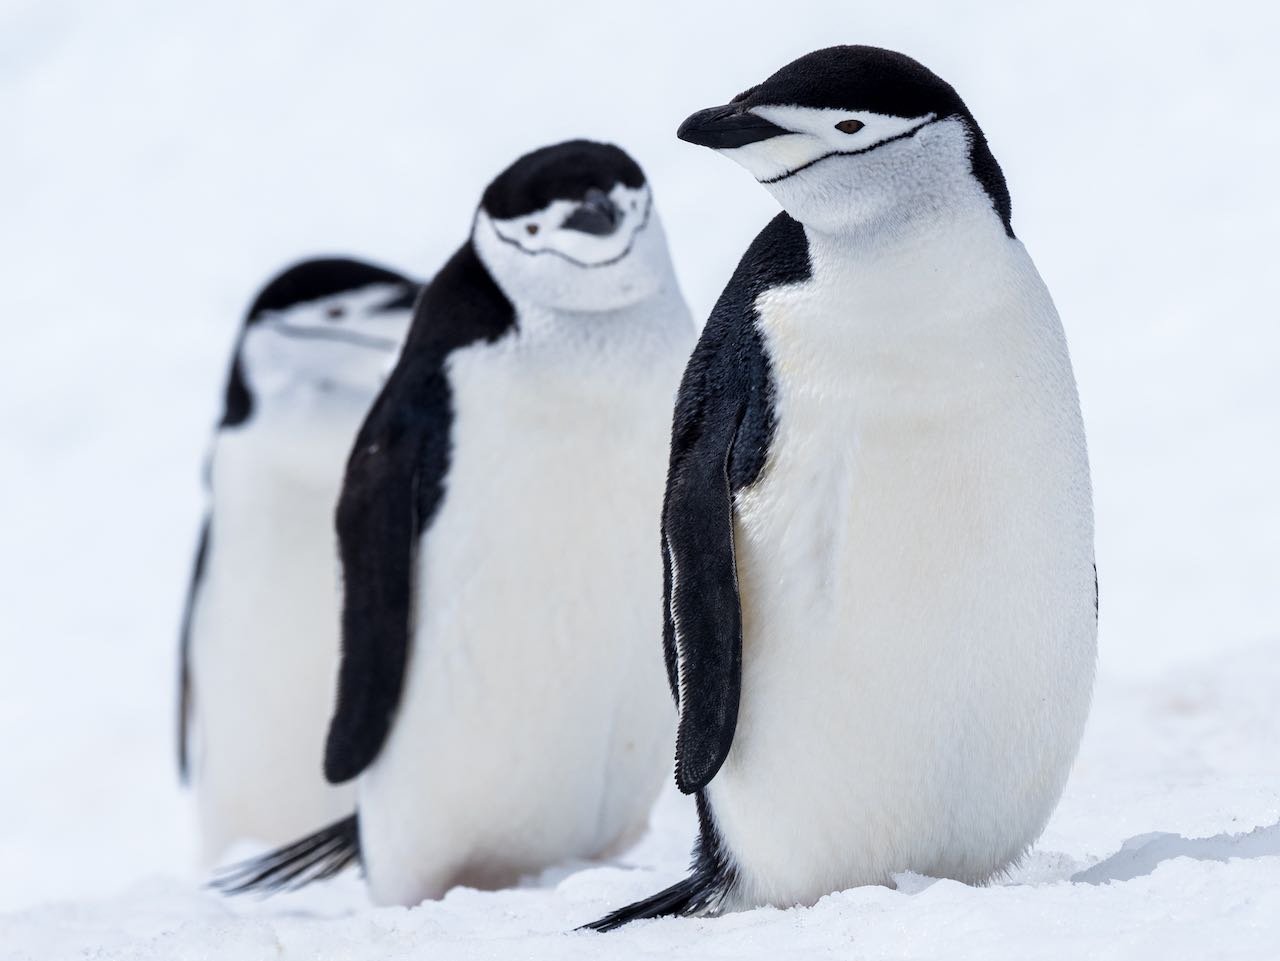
{"points": [[723, 128], [596, 215]]}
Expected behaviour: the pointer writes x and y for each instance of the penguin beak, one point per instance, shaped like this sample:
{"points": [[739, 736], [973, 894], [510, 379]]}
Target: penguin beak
{"points": [[723, 128], [596, 215]]}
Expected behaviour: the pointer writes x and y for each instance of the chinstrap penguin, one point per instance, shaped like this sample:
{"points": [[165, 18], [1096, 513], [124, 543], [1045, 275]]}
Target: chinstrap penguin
{"points": [[501, 701], [878, 534], [259, 641]]}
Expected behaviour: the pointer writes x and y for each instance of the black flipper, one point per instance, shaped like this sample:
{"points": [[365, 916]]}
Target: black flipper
{"points": [[394, 484], [313, 858], [703, 616], [378, 531], [184, 655], [724, 422]]}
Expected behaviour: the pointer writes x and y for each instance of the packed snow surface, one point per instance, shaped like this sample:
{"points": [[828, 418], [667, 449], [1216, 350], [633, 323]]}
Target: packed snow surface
{"points": [[162, 159]]}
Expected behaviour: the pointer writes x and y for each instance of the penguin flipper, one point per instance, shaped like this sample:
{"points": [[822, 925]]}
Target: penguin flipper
{"points": [[313, 858], [393, 486], [703, 618], [720, 439], [378, 533], [184, 655]]}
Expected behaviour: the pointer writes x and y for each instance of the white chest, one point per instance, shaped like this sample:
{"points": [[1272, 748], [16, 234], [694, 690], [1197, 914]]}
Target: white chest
{"points": [[264, 643], [554, 484], [915, 565], [556, 473], [536, 676]]}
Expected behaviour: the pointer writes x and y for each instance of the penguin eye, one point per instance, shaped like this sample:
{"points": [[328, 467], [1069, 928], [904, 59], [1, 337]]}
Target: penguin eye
{"points": [[850, 126], [531, 229], [335, 313]]}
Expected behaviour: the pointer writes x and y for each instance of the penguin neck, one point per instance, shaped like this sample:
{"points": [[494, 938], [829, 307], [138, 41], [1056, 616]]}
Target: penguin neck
{"points": [[900, 196], [925, 220], [646, 326], [307, 406], [930, 307], [962, 232], [301, 430]]}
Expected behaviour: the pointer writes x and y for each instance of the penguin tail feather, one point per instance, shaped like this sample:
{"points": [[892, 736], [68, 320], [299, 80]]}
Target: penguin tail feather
{"points": [[313, 858], [697, 894]]}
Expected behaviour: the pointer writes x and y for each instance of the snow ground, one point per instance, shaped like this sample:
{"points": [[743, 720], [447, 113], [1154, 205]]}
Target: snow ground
{"points": [[161, 158], [1182, 753]]}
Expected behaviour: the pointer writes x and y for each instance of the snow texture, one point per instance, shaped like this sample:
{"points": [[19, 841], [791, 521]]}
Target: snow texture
{"points": [[162, 159]]}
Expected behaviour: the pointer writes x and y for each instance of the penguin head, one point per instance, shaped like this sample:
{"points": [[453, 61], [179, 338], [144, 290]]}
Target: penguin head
{"points": [[850, 137], [571, 227], [328, 326]]}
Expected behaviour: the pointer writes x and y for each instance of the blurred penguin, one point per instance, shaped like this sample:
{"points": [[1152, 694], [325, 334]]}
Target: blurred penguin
{"points": [[259, 643], [501, 698]]}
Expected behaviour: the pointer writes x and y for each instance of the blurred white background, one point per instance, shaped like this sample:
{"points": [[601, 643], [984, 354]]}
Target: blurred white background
{"points": [[160, 159]]}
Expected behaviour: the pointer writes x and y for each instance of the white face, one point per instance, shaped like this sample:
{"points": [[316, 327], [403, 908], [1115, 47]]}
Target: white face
{"points": [[535, 258], [843, 169], [340, 345]]}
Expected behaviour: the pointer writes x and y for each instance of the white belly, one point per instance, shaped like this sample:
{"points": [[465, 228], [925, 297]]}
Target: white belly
{"points": [[264, 643], [535, 723], [915, 567]]}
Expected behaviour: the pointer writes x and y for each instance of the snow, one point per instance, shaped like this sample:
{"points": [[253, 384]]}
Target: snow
{"points": [[1170, 895], [161, 159]]}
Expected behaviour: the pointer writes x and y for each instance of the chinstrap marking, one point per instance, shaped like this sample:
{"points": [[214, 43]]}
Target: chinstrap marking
{"points": [[852, 153], [573, 260]]}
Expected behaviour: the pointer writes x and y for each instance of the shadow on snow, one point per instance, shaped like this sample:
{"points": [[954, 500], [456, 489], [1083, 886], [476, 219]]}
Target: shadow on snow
{"points": [[1141, 855]]}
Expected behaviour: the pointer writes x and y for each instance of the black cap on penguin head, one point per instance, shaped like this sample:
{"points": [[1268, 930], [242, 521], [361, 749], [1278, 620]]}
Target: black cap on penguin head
{"points": [[571, 226], [841, 102], [563, 171]]}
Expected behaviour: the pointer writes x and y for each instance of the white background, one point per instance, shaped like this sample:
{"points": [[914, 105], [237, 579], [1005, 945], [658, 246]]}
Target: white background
{"points": [[158, 160]]}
